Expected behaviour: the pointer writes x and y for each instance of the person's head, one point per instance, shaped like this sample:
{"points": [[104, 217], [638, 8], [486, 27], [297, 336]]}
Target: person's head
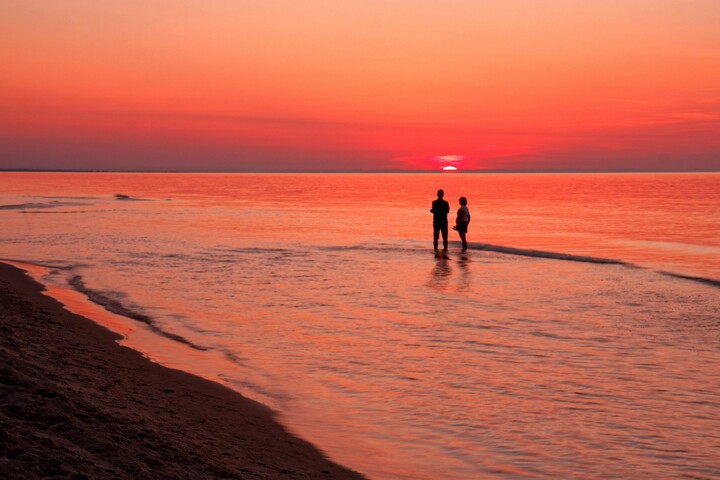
{"points": [[463, 201], [441, 193]]}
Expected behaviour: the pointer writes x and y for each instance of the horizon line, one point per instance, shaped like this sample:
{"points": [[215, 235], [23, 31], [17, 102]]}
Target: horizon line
{"points": [[356, 171]]}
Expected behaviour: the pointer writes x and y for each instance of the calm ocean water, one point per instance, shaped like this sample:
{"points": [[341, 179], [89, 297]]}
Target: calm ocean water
{"points": [[320, 296]]}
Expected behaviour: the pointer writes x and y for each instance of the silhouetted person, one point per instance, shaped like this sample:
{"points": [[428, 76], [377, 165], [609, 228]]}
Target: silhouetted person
{"points": [[440, 209], [462, 221]]}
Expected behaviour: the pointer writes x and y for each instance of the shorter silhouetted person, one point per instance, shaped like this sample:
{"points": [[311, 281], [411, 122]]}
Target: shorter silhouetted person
{"points": [[440, 209], [462, 221]]}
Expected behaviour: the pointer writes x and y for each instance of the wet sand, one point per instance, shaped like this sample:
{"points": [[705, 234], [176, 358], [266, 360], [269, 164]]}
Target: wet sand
{"points": [[75, 404]]}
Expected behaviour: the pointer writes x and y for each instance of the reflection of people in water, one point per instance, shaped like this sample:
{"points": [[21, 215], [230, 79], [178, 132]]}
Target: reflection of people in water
{"points": [[462, 221], [440, 209], [441, 274], [464, 278]]}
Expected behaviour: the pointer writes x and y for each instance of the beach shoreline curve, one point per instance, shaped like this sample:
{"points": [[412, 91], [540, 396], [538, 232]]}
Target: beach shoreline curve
{"points": [[76, 404]]}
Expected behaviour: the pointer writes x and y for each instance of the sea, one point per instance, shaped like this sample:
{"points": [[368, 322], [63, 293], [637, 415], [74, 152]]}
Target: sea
{"points": [[578, 336]]}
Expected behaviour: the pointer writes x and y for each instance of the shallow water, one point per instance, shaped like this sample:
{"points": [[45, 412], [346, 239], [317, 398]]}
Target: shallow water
{"points": [[319, 295]]}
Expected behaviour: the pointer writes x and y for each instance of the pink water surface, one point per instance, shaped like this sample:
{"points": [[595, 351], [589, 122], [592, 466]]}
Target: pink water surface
{"points": [[320, 295]]}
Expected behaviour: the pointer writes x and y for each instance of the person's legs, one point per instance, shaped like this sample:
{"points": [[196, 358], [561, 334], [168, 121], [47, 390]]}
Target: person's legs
{"points": [[464, 241], [436, 235], [445, 236]]}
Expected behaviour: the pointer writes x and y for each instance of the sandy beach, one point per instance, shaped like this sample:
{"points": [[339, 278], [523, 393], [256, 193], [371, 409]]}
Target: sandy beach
{"points": [[75, 404]]}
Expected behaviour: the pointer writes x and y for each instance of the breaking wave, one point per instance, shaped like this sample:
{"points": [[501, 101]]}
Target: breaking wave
{"points": [[543, 254], [41, 205], [115, 306]]}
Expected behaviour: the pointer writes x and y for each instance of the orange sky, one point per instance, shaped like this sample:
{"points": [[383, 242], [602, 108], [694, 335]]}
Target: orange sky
{"points": [[360, 84]]}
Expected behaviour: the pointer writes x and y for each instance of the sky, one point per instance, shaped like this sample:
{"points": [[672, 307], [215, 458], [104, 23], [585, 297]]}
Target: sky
{"points": [[288, 85]]}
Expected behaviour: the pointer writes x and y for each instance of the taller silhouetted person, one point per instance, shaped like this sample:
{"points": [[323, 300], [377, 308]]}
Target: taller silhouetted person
{"points": [[440, 209]]}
